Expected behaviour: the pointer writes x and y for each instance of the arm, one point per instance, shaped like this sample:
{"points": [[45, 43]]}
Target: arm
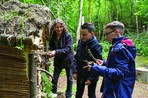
{"points": [[119, 68]]}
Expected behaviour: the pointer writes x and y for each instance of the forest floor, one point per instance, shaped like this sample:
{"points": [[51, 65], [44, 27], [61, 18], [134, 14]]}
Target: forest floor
{"points": [[140, 89]]}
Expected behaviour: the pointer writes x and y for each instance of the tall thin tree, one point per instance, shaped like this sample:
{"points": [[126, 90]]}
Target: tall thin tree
{"points": [[89, 10], [80, 21], [58, 5]]}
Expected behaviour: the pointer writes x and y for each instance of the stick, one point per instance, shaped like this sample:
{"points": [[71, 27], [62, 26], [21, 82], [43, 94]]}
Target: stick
{"points": [[91, 55], [43, 70]]}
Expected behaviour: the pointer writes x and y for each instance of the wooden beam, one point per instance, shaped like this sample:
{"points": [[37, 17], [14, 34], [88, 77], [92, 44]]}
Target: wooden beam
{"points": [[32, 76]]}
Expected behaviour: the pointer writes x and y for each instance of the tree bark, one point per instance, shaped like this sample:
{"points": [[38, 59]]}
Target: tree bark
{"points": [[58, 8], [32, 76], [80, 20], [137, 27], [89, 10]]}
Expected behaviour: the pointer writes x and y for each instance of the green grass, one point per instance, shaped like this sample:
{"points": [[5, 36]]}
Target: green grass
{"points": [[141, 61]]}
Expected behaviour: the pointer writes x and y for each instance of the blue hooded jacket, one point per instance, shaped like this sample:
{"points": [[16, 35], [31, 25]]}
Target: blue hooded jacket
{"points": [[119, 70]]}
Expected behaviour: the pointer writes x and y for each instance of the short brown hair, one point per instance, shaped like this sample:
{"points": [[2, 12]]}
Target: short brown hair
{"points": [[115, 24], [88, 26]]}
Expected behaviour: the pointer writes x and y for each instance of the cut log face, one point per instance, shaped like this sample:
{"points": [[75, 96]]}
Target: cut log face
{"points": [[14, 82], [142, 74]]}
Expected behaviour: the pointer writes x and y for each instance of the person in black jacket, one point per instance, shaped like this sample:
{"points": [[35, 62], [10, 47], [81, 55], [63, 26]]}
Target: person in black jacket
{"points": [[61, 48], [88, 50]]}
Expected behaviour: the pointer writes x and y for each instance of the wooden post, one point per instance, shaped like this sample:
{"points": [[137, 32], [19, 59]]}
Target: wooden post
{"points": [[32, 76]]}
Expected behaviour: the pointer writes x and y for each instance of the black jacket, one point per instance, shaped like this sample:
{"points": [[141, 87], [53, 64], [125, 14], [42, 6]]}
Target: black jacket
{"points": [[64, 53], [82, 54]]}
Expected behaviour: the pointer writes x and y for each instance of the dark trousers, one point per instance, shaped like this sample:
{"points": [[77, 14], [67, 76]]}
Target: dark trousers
{"points": [[69, 81], [91, 89]]}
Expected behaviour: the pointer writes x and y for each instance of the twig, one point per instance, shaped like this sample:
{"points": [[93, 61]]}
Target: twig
{"points": [[43, 70], [43, 2], [91, 55]]}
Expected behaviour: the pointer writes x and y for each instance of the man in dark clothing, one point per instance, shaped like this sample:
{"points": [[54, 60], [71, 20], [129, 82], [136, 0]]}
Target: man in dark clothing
{"points": [[119, 69], [61, 46], [88, 45]]}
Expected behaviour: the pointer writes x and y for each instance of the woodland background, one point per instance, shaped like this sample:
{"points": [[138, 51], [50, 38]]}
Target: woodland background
{"points": [[133, 13]]}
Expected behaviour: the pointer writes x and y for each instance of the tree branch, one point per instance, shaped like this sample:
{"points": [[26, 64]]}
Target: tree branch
{"points": [[43, 70]]}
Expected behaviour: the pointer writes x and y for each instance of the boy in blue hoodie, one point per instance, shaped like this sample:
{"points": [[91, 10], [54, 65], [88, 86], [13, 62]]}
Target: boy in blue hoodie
{"points": [[119, 70], [88, 47]]}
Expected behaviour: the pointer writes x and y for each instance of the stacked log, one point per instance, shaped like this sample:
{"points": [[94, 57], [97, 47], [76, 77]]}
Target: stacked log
{"points": [[14, 81]]}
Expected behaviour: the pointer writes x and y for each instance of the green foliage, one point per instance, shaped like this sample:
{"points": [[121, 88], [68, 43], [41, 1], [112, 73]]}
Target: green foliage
{"points": [[106, 47], [141, 61], [31, 1], [74, 46], [142, 10], [141, 42], [21, 32], [47, 85], [103, 11]]}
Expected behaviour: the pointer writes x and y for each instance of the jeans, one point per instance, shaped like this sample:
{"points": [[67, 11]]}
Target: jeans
{"points": [[69, 74], [91, 89]]}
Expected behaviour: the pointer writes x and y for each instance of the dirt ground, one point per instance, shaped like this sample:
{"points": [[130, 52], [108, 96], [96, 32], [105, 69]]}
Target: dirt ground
{"points": [[140, 90]]}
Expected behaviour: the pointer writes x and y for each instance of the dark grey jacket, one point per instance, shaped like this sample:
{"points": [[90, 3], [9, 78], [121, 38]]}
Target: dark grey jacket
{"points": [[63, 47], [82, 54]]}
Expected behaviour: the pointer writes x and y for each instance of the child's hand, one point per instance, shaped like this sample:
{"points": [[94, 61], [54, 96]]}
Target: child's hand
{"points": [[75, 76], [99, 62], [88, 82]]}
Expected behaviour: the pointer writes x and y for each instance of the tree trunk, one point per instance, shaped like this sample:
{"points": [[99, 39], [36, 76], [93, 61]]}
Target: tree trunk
{"points": [[89, 10], [58, 5], [79, 24], [137, 27], [32, 76]]}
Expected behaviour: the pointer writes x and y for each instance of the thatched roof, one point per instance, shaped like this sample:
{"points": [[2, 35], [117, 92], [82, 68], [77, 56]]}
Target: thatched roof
{"points": [[21, 21]]}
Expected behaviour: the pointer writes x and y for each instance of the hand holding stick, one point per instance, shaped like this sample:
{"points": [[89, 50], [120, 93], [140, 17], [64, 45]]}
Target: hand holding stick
{"points": [[89, 63]]}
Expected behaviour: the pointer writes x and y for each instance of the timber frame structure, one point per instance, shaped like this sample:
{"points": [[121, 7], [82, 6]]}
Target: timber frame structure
{"points": [[24, 34]]}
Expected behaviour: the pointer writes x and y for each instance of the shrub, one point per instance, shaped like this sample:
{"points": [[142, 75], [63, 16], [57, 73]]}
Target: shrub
{"points": [[105, 50], [141, 43], [47, 85]]}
